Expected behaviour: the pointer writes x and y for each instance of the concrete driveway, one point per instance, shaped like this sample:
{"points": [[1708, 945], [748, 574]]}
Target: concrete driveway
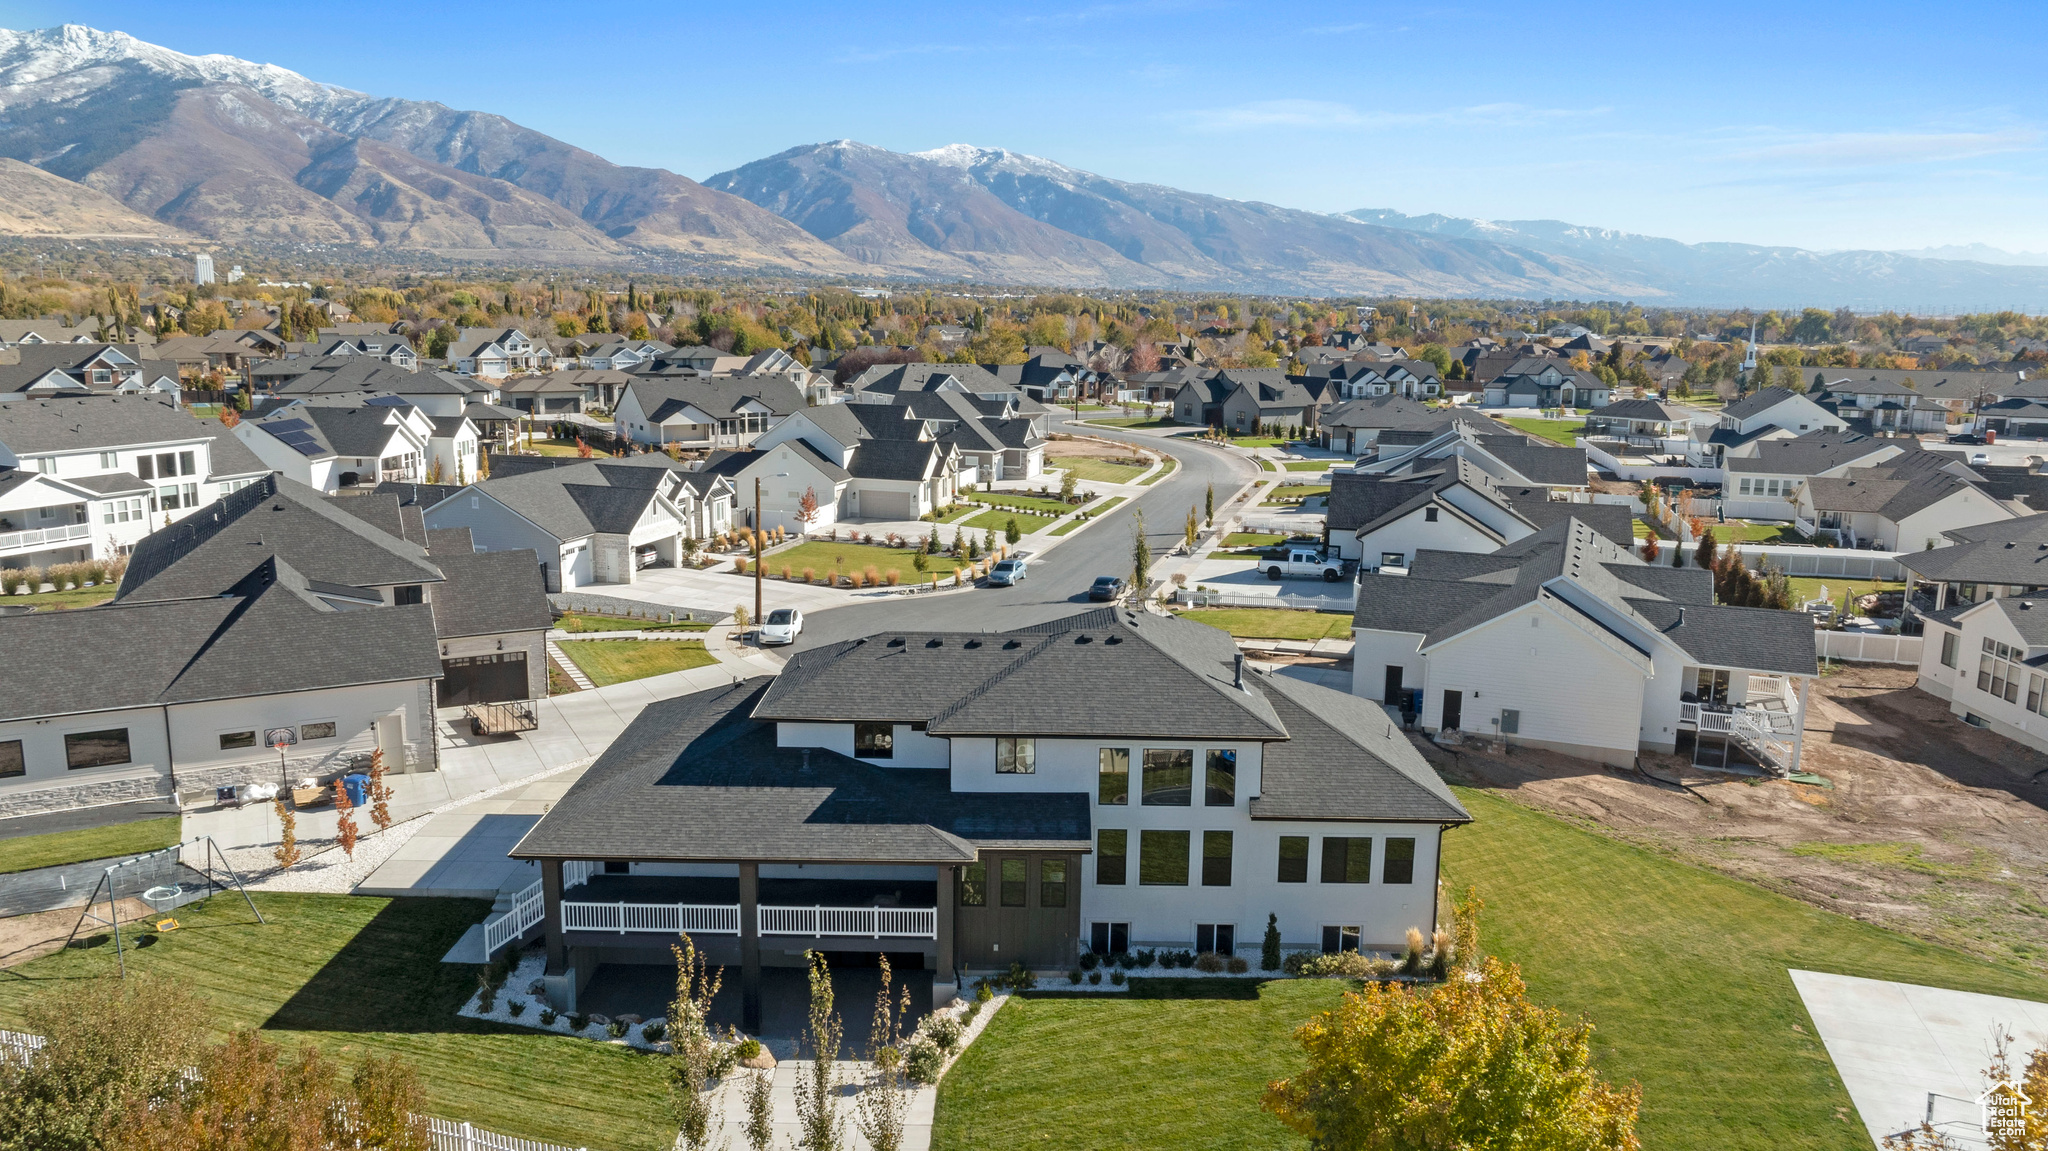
{"points": [[1897, 1044]]}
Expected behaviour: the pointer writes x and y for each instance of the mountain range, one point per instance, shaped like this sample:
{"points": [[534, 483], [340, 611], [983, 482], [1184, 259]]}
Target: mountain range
{"points": [[104, 135]]}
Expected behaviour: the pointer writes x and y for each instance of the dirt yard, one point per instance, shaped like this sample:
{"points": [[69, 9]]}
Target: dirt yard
{"points": [[1931, 827], [1094, 450]]}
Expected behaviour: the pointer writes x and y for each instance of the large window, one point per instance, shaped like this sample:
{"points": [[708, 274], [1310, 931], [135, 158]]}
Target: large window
{"points": [[1163, 858], [1113, 785], [1216, 859], [1112, 847], [1169, 776], [974, 885], [1338, 938], [1950, 641], [1218, 937], [1220, 779], [1998, 670], [1052, 883], [1347, 860], [1013, 883], [1294, 859], [874, 740], [11, 761], [1016, 756], [1399, 866], [96, 748]]}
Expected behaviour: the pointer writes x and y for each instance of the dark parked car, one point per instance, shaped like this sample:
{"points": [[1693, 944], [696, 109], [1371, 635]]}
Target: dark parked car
{"points": [[1966, 438], [1107, 589]]}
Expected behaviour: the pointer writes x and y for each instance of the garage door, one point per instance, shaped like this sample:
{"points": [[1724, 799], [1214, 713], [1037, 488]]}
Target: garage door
{"points": [[888, 505], [493, 678]]}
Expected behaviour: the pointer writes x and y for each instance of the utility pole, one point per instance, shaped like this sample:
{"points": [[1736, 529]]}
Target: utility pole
{"points": [[757, 554]]}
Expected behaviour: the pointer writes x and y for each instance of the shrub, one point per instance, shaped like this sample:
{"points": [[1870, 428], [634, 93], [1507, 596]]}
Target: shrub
{"points": [[1117, 977], [983, 994], [894, 578], [486, 994], [740, 565], [578, 1021], [548, 1017], [857, 580], [10, 581], [1349, 964], [1209, 962], [1145, 957], [874, 577], [922, 1062], [1123, 960], [1090, 961], [653, 1032], [1269, 947], [1239, 965], [1074, 976], [1411, 963], [1440, 954], [944, 1030], [810, 575], [515, 1007], [1296, 962], [785, 572], [1094, 977], [748, 1049], [616, 1029]]}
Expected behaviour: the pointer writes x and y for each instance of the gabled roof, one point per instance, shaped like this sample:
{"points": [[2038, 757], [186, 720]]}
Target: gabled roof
{"points": [[921, 377], [1536, 462], [720, 397], [1895, 489], [1657, 410], [1756, 403], [1818, 451], [355, 430], [269, 634], [579, 499], [1099, 672], [2001, 552], [82, 423], [890, 459]]}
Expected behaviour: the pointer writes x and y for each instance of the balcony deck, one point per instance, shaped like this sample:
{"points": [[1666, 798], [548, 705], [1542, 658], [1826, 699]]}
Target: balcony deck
{"points": [[851, 909]]}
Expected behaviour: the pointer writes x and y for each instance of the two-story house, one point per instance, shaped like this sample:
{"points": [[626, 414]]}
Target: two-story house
{"points": [[859, 460], [1763, 481], [1538, 382], [966, 800], [703, 413], [1565, 640], [1881, 406], [332, 443], [87, 478], [1384, 521], [1768, 414], [495, 353], [37, 371]]}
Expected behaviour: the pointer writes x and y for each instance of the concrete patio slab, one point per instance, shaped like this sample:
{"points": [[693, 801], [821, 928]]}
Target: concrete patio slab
{"points": [[1898, 1046]]}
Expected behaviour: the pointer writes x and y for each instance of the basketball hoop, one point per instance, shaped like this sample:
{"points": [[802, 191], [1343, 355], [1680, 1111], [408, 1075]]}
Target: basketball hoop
{"points": [[280, 738]]}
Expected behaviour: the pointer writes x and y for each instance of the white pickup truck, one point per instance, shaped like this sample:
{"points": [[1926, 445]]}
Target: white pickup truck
{"points": [[1303, 562]]}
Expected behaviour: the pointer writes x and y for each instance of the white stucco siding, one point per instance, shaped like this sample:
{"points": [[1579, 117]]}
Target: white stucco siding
{"points": [[2009, 718], [1965, 509], [1075, 765], [44, 759], [1375, 651], [911, 747], [497, 528], [197, 728], [1165, 916], [1414, 532], [1573, 693]]}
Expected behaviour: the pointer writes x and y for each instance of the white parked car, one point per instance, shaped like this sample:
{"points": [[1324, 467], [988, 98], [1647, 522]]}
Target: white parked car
{"points": [[782, 626], [1309, 562], [1979, 459]]}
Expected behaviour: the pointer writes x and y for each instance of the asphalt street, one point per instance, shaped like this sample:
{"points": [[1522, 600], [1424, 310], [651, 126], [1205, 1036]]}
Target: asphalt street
{"points": [[1058, 584]]}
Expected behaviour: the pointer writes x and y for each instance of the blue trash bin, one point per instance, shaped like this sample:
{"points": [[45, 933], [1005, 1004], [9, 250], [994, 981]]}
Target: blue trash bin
{"points": [[358, 788]]}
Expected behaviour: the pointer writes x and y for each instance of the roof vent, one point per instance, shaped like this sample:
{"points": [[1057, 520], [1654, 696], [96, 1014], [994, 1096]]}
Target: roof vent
{"points": [[972, 643], [2026, 605], [897, 642], [1239, 671], [1010, 644], [1113, 639], [1082, 639], [935, 641]]}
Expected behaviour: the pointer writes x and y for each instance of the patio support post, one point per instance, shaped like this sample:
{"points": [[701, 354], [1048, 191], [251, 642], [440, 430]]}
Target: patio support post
{"points": [[947, 974], [750, 948], [551, 915]]}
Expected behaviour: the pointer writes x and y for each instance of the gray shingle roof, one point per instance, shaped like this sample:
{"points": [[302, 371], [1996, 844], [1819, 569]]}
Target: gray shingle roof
{"points": [[1538, 463], [488, 592], [1753, 638], [1756, 403], [697, 778], [268, 637], [1344, 759], [1816, 452], [721, 397], [573, 501], [1094, 673], [81, 423], [2003, 552]]}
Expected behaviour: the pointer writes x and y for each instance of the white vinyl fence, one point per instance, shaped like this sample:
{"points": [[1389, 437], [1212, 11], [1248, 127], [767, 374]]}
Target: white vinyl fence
{"points": [[1868, 647], [1293, 602]]}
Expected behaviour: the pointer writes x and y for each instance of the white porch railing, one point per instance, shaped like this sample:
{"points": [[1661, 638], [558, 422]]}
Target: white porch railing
{"points": [[42, 537], [527, 909], [1803, 526], [874, 922], [664, 918], [447, 1135], [579, 871]]}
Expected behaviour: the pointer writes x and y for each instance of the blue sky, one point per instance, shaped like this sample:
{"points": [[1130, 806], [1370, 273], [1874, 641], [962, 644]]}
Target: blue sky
{"points": [[1821, 125]]}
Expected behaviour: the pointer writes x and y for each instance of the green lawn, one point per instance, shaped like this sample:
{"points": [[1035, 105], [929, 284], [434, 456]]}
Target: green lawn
{"points": [[1560, 431], [844, 558], [1256, 442], [1645, 529], [28, 852], [551, 447], [64, 600], [998, 520], [1038, 504], [1289, 494], [1266, 465], [610, 661], [1311, 465], [1274, 623], [1172, 464], [1252, 540], [1739, 531], [1808, 587], [1684, 973], [1145, 1069], [1135, 422], [1093, 512], [1097, 470], [358, 976], [578, 622]]}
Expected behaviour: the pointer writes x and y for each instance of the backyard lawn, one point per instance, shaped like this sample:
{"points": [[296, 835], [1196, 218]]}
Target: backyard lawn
{"points": [[64, 600], [1741, 531], [1145, 1069], [1097, 470], [358, 976], [578, 622], [610, 661], [1559, 431], [1682, 971], [1809, 587], [1274, 623], [552, 447], [24, 853]]}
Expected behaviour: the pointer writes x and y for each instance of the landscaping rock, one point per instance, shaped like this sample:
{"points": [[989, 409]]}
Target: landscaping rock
{"points": [[537, 988], [600, 1021], [765, 1061], [630, 1020]]}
